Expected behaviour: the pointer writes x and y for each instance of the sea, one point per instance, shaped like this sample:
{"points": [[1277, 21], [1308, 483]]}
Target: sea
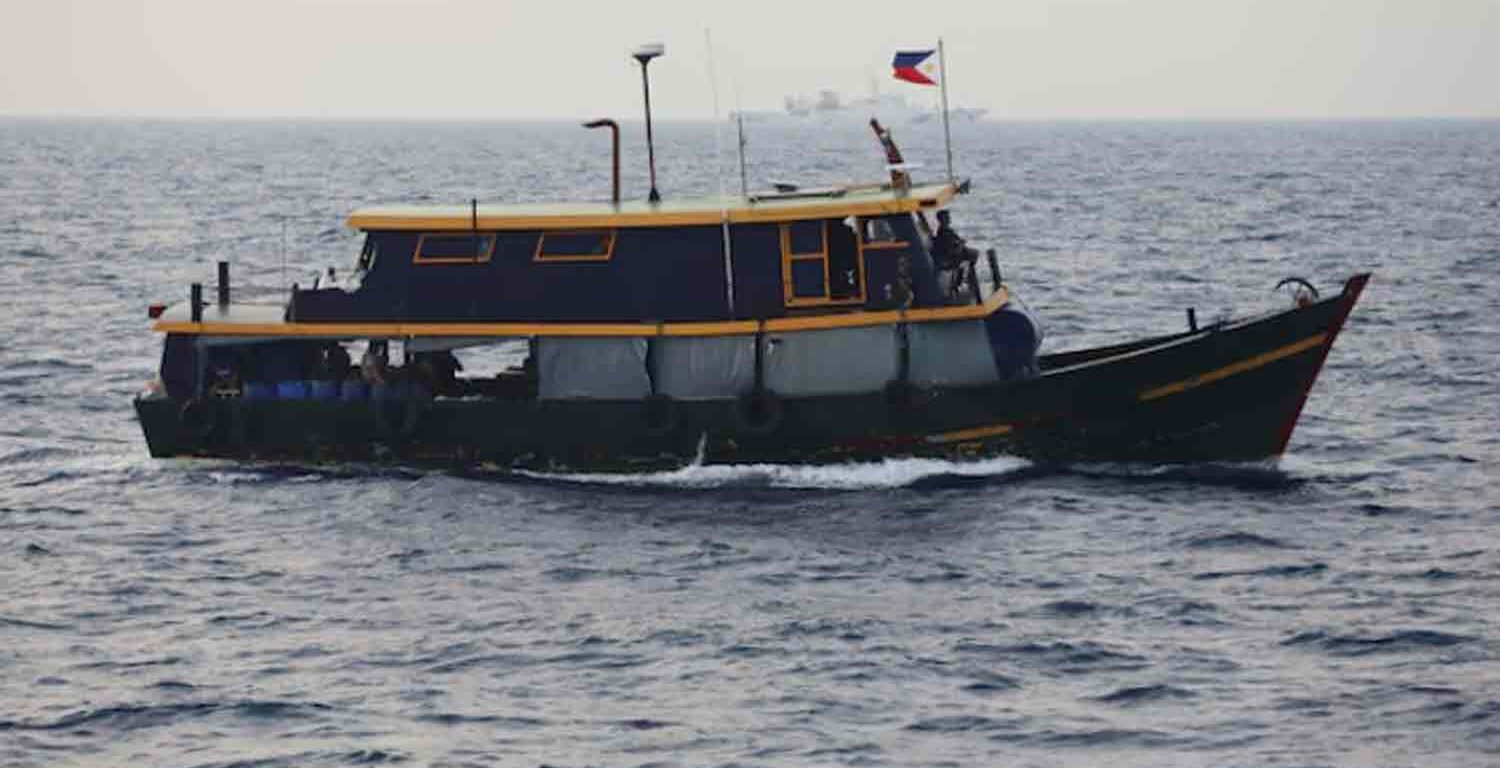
{"points": [[1340, 607]]}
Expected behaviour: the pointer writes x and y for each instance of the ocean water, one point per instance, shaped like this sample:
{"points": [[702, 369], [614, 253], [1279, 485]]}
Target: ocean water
{"points": [[1340, 607]]}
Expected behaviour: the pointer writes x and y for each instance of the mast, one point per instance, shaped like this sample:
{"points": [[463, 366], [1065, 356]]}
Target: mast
{"points": [[943, 86], [644, 55], [713, 79]]}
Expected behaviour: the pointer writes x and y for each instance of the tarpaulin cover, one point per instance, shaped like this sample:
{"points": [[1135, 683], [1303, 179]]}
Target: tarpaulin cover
{"points": [[606, 369], [835, 361], [951, 354], [703, 367]]}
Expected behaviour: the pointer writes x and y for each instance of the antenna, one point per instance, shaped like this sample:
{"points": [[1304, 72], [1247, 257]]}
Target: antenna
{"points": [[739, 119], [713, 77], [644, 55]]}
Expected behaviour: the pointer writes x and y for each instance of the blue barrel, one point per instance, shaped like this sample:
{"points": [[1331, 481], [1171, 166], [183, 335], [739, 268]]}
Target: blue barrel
{"points": [[258, 390], [353, 389], [322, 389], [294, 389]]}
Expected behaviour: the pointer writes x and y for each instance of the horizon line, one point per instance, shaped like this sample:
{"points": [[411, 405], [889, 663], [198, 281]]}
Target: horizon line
{"points": [[104, 117]]}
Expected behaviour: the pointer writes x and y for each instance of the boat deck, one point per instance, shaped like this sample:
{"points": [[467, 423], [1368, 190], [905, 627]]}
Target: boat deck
{"points": [[256, 320]]}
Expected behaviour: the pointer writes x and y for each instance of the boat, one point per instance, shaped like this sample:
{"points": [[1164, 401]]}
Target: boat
{"points": [[891, 109], [800, 325]]}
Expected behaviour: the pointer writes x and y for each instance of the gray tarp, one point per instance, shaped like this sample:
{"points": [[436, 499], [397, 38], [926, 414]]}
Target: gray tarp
{"points": [[953, 353], [690, 368], [601, 368], [831, 361], [440, 343]]}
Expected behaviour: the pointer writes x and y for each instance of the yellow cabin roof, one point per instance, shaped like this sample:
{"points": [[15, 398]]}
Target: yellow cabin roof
{"points": [[873, 200]]}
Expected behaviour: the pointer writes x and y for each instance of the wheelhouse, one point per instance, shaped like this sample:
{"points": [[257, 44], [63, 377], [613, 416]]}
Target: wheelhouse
{"points": [[757, 257]]}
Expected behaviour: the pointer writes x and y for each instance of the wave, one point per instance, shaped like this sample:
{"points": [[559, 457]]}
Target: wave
{"points": [[884, 474], [1401, 641]]}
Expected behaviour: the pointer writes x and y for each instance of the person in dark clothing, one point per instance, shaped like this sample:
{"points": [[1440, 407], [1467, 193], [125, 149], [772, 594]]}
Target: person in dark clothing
{"points": [[948, 249], [335, 362], [951, 254], [439, 371]]}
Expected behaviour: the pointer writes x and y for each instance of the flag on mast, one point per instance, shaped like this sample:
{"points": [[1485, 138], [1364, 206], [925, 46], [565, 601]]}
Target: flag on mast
{"points": [[916, 67]]}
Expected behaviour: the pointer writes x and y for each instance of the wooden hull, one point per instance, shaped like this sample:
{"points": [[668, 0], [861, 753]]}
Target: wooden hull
{"points": [[1227, 393]]}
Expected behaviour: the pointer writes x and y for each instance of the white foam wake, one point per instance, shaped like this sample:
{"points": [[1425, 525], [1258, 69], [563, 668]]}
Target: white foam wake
{"points": [[888, 473]]}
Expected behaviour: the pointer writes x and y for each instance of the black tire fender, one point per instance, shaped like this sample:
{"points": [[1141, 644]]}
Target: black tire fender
{"points": [[661, 415], [758, 413]]}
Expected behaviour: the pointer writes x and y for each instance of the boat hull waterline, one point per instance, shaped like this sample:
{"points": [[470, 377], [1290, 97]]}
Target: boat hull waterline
{"points": [[1229, 392]]}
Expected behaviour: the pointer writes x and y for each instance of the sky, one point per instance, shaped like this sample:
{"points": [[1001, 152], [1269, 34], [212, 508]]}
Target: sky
{"points": [[486, 59]]}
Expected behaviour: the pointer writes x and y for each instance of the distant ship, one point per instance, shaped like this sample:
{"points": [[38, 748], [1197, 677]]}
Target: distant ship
{"points": [[889, 107]]}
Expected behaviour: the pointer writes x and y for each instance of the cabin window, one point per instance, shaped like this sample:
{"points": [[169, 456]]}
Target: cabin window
{"points": [[466, 248], [581, 245], [804, 266], [820, 264], [879, 233]]}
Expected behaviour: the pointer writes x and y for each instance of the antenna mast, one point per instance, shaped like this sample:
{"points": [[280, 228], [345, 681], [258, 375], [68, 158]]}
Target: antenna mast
{"points": [[713, 77], [644, 55]]}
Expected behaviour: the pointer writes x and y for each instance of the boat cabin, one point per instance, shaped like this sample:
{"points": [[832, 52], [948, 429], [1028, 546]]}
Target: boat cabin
{"points": [[756, 257]]}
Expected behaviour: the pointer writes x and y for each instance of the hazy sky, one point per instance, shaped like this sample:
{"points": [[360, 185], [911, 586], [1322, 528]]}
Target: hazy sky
{"points": [[559, 58]]}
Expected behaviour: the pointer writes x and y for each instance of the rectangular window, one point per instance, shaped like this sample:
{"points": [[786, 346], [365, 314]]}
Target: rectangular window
{"points": [[578, 245], [466, 248], [821, 264], [804, 262]]}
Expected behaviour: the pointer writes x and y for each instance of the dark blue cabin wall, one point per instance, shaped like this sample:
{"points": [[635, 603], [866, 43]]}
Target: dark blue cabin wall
{"points": [[654, 273], [661, 273], [757, 271], [670, 273], [665, 274]]}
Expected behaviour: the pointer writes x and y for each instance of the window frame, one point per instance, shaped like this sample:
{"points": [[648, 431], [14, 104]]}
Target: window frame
{"points": [[788, 258], [540, 257], [489, 253]]}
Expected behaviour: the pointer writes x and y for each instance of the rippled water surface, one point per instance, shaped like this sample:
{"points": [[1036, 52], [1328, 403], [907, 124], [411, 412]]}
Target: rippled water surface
{"points": [[1340, 608]]}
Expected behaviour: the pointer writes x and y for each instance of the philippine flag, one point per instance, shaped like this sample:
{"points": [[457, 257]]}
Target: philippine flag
{"points": [[915, 67]]}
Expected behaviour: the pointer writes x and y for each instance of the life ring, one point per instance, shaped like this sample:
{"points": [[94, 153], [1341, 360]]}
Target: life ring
{"points": [[758, 413], [661, 415], [198, 418]]}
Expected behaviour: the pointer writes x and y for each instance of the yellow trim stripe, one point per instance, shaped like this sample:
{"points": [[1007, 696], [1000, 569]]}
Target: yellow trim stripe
{"points": [[976, 433], [724, 328], [1248, 364]]}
